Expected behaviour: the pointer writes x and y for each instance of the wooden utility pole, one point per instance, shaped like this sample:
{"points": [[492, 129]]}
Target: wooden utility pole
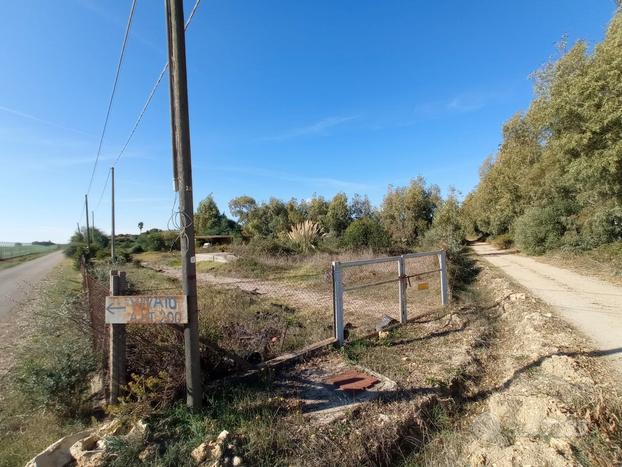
{"points": [[181, 152], [117, 342], [112, 252], [88, 232]]}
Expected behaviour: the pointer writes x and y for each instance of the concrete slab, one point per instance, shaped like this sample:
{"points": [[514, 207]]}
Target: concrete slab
{"points": [[221, 257], [313, 384]]}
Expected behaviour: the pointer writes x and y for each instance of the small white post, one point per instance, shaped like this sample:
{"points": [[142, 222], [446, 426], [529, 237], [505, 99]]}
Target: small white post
{"points": [[401, 271], [338, 303], [442, 263]]}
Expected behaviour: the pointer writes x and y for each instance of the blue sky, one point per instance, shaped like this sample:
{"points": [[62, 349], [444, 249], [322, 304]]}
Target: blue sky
{"points": [[287, 99]]}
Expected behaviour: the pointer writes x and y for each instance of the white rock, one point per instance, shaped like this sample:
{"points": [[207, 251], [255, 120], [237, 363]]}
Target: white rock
{"points": [[199, 454]]}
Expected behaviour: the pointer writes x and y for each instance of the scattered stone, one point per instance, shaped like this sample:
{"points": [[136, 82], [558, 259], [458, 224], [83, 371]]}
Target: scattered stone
{"points": [[405, 359], [237, 461], [386, 322], [199, 454], [383, 334], [87, 453], [517, 296], [58, 452]]}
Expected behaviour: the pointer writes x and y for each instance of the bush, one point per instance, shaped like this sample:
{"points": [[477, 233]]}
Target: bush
{"points": [[366, 232], [503, 241], [305, 235], [270, 247], [604, 225], [540, 229], [59, 380]]}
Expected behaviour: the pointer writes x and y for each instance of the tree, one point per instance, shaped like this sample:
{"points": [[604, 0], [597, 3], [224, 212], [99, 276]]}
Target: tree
{"points": [[366, 232], [317, 208], [557, 177], [207, 216], [338, 215], [243, 208], [208, 220], [140, 226], [407, 212], [360, 207]]}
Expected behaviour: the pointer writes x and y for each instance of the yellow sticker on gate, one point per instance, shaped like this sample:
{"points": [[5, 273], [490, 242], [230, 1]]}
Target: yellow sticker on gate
{"points": [[422, 286]]}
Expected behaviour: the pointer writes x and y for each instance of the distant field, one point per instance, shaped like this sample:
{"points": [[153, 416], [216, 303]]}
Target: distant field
{"points": [[10, 250]]}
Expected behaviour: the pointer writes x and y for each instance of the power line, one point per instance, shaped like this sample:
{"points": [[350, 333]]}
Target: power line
{"points": [[145, 106], [101, 196], [114, 88], [153, 90]]}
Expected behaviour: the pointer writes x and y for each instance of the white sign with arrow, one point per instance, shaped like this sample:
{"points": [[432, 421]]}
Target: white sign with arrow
{"points": [[147, 309]]}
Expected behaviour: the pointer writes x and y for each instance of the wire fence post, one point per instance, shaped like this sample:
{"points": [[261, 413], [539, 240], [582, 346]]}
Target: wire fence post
{"points": [[442, 262], [403, 283], [116, 362], [338, 302]]}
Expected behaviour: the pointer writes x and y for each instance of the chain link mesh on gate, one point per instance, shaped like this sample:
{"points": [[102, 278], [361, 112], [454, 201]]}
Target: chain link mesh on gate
{"points": [[400, 288]]}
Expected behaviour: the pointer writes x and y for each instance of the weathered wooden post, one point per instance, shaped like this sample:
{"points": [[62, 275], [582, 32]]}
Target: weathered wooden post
{"points": [[117, 339]]}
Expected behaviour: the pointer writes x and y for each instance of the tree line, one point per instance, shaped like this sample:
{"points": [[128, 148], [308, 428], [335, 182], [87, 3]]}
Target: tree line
{"points": [[556, 180], [402, 221]]}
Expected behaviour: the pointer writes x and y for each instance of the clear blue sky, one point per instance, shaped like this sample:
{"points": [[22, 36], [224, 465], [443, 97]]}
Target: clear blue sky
{"points": [[287, 98]]}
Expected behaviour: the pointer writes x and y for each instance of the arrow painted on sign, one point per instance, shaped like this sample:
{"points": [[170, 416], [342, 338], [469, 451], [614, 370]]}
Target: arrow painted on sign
{"points": [[112, 309]]}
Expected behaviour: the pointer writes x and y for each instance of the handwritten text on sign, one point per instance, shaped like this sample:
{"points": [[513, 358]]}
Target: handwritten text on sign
{"points": [[147, 309]]}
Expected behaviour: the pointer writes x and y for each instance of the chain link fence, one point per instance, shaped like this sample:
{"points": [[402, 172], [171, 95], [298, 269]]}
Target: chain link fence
{"points": [[244, 321], [391, 289], [10, 250]]}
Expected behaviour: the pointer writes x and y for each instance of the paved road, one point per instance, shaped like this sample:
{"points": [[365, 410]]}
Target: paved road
{"points": [[16, 283], [591, 305]]}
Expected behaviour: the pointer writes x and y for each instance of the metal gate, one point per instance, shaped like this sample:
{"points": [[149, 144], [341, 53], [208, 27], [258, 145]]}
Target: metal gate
{"points": [[366, 290]]}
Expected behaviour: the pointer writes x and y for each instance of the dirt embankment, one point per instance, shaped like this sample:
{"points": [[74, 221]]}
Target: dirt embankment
{"points": [[539, 395]]}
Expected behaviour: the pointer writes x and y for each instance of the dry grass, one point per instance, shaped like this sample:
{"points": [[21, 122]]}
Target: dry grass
{"points": [[603, 262], [26, 424]]}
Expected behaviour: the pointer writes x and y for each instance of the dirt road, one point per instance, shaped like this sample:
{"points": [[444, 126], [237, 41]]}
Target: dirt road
{"points": [[591, 305], [17, 282]]}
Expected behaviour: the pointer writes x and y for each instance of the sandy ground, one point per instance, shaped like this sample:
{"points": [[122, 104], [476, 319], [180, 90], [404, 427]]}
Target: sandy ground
{"points": [[594, 307]]}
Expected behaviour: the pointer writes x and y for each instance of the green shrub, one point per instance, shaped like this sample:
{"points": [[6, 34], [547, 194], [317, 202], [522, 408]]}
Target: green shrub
{"points": [[503, 241], [59, 379], [540, 229], [447, 231], [270, 247], [603, 225], [366, 232]]}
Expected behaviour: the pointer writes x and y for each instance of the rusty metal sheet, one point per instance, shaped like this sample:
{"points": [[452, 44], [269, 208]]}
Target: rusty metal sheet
{"points": [[423, 286], [147, 309], [353, 381]]}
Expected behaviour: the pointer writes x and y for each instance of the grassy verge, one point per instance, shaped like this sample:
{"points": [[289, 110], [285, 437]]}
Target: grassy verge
{"points": [[603, 262], [9, 263], [42, 396]]}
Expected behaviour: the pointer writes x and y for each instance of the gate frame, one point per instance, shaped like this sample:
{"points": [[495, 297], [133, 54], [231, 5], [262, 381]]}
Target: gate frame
{"points": [[402, 278]]}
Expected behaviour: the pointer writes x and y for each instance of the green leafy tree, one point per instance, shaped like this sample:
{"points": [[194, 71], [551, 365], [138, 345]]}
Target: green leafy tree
{"points": [[407, 212], [243, 207], [338, 215], [366, 232], [361, 207]]}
